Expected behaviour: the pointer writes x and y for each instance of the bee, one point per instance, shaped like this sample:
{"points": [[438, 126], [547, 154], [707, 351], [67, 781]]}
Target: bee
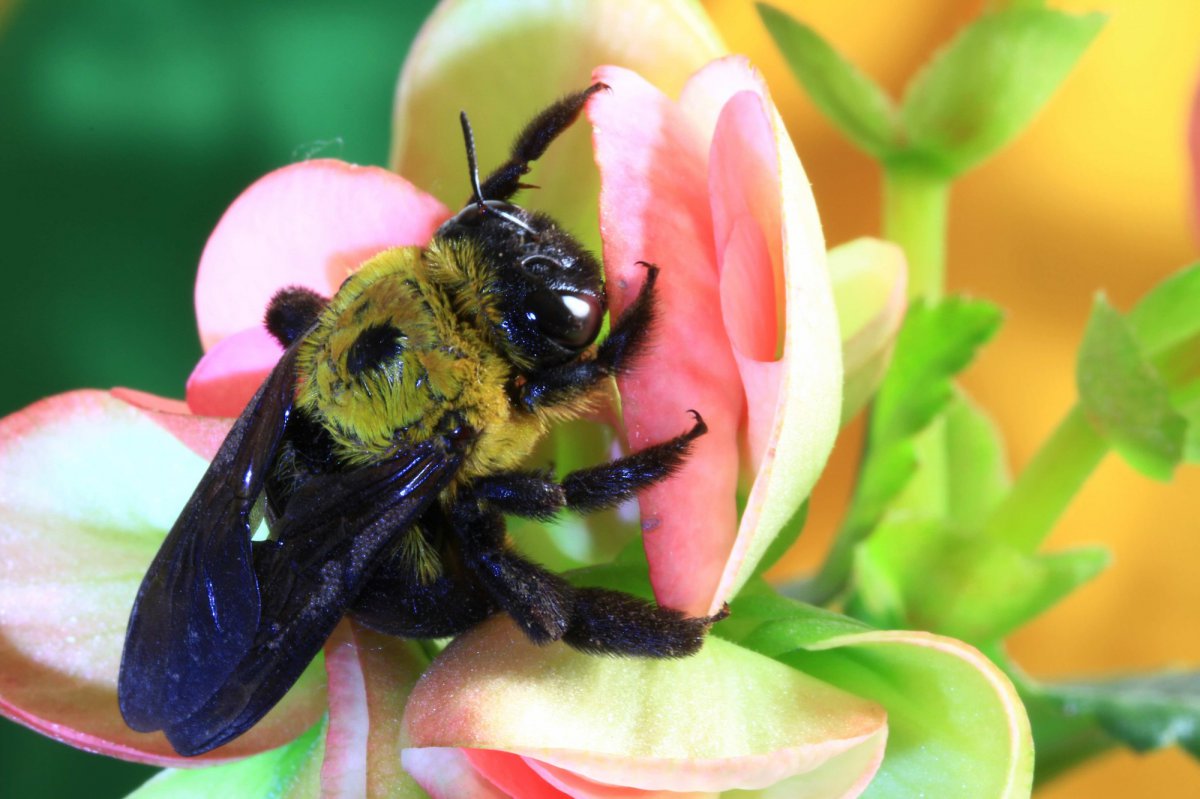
{"points": [[383, 451]]}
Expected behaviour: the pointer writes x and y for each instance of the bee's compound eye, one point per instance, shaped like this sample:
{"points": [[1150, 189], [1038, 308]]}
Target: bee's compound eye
{"points": [[568, 318], [374, 346]]}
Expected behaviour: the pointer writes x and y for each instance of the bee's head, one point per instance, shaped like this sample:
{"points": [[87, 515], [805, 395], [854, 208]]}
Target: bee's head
{"points": [[546, 289]]}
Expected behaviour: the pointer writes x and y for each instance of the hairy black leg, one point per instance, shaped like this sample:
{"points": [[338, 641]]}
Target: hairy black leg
{"points": [[610, 622], [532, 143], [396, 604], [292, 311], [535, 495], [538, 600], [616, 355]]}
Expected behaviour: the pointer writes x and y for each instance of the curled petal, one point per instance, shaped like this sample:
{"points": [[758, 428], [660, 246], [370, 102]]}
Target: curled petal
{"points": [[723, 719], [309, 224], [504, 62], [227, 376], [91, 484], [654, 207], [772, 259], [870, 281]]}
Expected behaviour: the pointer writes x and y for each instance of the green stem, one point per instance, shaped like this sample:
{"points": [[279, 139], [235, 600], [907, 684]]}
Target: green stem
{"points": [[915, 201], [1048, 484]]}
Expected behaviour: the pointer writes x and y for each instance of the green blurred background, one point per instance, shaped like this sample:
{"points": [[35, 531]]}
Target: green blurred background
{"points": [[126, 128]]}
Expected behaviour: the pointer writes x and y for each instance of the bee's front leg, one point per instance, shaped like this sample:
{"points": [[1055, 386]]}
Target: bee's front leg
{"points": [[626, 340]]}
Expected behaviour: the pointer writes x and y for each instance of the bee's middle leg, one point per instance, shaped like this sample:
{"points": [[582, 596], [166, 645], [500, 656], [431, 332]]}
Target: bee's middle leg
{"points": [[534, 495]]}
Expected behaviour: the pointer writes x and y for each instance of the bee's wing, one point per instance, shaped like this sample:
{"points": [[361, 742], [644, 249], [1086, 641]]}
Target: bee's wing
{"points": [[325, 548], [198, 607]]}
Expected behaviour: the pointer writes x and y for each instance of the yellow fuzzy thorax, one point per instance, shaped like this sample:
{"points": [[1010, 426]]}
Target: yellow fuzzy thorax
{"points": [[447, 371]]}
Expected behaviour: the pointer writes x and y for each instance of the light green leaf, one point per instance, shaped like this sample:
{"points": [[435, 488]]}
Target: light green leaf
{"points": [[1125, 398], [869, 280], [956, 727], [851, 100], [292, 771], [989, 82], [976, 467], [1169, 313], [724, 718], [923, 574]]}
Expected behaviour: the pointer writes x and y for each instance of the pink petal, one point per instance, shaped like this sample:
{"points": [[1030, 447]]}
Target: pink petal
{"points": [[370, 676], [446, 773], [511, 774], [577, 787], [309, 224], [203, 435], [90, 485], [776, 299], [227, 376], [653, 207]]}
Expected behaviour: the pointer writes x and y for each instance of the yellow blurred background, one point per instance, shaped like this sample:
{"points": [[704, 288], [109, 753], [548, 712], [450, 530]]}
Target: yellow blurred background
{"points": [[1095, 196]]}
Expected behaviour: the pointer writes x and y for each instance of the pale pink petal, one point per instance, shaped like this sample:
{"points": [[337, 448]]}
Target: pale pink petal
{"points": [[768, 240], [227, 376], [511, 774], [370, 676], [203, 435], [344, 767], [725, 718], [309, 224], [89, 485], [654, 207], [445, 773]]}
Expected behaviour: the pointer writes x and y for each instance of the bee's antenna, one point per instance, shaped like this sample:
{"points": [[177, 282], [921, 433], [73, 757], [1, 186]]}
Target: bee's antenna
{"points": [[469, 138], [477, 193]]}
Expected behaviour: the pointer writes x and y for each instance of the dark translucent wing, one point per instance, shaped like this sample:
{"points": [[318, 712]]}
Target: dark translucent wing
{"points": [[326, 545], [197, 611]]}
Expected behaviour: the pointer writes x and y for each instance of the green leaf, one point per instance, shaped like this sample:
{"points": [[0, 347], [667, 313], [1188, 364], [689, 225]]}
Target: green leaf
{"points": [[851, 100], [1169, 313], [989, 82], [935, 344], [1125, 398], [289, 772], [1075, 721], [923, 574], [976, 468]]}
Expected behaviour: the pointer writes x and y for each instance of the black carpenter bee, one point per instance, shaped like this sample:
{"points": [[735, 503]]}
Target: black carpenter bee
{"points": [[383, 451]]}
